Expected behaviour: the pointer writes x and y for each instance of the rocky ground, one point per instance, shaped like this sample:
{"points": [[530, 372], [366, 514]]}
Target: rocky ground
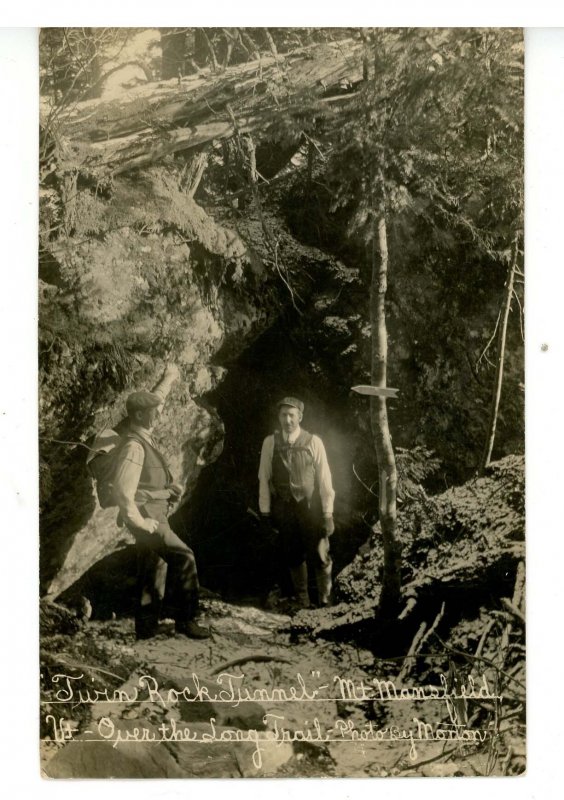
{"points": [[102, 660], [273, 694]]}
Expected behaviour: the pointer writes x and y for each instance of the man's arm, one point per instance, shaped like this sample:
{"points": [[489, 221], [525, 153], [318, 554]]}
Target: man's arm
{"points": [[265, 474], [163, 387], [323, 476], [126, 480]]}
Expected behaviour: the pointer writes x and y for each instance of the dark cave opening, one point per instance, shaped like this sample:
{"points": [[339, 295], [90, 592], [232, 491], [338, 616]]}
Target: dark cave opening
{"points": [[220, 520]]}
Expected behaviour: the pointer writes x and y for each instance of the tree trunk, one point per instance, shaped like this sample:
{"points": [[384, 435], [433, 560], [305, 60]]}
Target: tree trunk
{"points": [[391, 582], [94, 65], [365, 36], [506, 308], [230, 36], [270, 41], [211, 51], [249, 44], [172, 45], [201, 50]]}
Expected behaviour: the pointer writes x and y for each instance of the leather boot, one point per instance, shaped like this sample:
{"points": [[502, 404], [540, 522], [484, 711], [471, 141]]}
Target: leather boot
{"points": [[299, 582], [192, 630], [146, 624]]}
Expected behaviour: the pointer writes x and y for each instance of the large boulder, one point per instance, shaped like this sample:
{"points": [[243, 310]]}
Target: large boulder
{"points": [[118, 307], [84, 758], [142, 275]]}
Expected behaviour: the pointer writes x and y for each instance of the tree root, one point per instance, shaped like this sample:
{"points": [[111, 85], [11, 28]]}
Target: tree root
{"points": [[259, 657]]}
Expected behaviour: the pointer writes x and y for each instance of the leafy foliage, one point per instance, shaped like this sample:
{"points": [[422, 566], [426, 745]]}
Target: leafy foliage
{"points": [[433, 140], [414, 467]]}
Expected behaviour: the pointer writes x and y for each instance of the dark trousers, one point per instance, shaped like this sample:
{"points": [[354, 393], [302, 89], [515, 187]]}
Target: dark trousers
{"points": [[300, 531], [164, 562]]}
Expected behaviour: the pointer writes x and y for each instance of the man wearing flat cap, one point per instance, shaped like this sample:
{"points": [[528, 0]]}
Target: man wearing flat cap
{"points": [[293, 466], [143, 488]]}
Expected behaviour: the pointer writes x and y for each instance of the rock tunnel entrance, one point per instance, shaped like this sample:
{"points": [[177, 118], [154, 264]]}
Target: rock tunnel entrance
{"points": [[220, 519]]}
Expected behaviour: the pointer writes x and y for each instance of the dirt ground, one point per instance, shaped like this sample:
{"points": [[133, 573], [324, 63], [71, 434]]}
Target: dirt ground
{"points": [[257, 701]]}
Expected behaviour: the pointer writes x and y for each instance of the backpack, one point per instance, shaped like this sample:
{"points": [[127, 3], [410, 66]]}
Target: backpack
{"points": [[101, 463]]}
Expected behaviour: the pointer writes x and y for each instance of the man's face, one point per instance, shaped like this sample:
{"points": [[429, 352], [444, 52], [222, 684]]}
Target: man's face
{"points": [[147, 417], [289, 418]]}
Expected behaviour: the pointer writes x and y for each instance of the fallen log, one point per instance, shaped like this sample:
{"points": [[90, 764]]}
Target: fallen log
{"points": [[422, 636], [156, 120], [408, 663]]}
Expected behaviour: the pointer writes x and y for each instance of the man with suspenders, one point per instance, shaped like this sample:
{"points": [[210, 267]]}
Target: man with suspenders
{"points": [[143, 488], [293, 468]]}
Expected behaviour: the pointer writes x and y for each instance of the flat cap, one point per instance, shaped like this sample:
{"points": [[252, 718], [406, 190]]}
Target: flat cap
{"points": [[292, 401], [139, 401]]}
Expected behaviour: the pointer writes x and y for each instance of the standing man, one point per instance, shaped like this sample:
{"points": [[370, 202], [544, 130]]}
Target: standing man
{"points": [[143, 488], [293, 464]]}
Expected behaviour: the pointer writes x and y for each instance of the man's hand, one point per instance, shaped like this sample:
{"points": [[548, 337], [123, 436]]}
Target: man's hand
{"points": [[150, 525], [175, 490], [171, 373], [153, 494], [323, 548], [163, 387], [328, 524]]}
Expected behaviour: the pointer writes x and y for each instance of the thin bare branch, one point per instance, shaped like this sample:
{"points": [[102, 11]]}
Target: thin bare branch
{"points": [[359, 479], [521, 315], [490, 341]]}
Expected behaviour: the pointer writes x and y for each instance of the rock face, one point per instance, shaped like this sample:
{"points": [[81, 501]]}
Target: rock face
{"points": [[83, 758], [143, 275], [118, 306]]}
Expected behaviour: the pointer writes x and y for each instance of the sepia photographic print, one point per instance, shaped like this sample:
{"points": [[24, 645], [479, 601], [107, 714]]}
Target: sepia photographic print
{"points": [[281, 402]]}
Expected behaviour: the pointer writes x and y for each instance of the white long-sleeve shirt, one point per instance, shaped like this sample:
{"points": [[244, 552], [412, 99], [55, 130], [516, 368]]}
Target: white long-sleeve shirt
{"points": [[322, 472], [126, 480], [128, 469]]}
